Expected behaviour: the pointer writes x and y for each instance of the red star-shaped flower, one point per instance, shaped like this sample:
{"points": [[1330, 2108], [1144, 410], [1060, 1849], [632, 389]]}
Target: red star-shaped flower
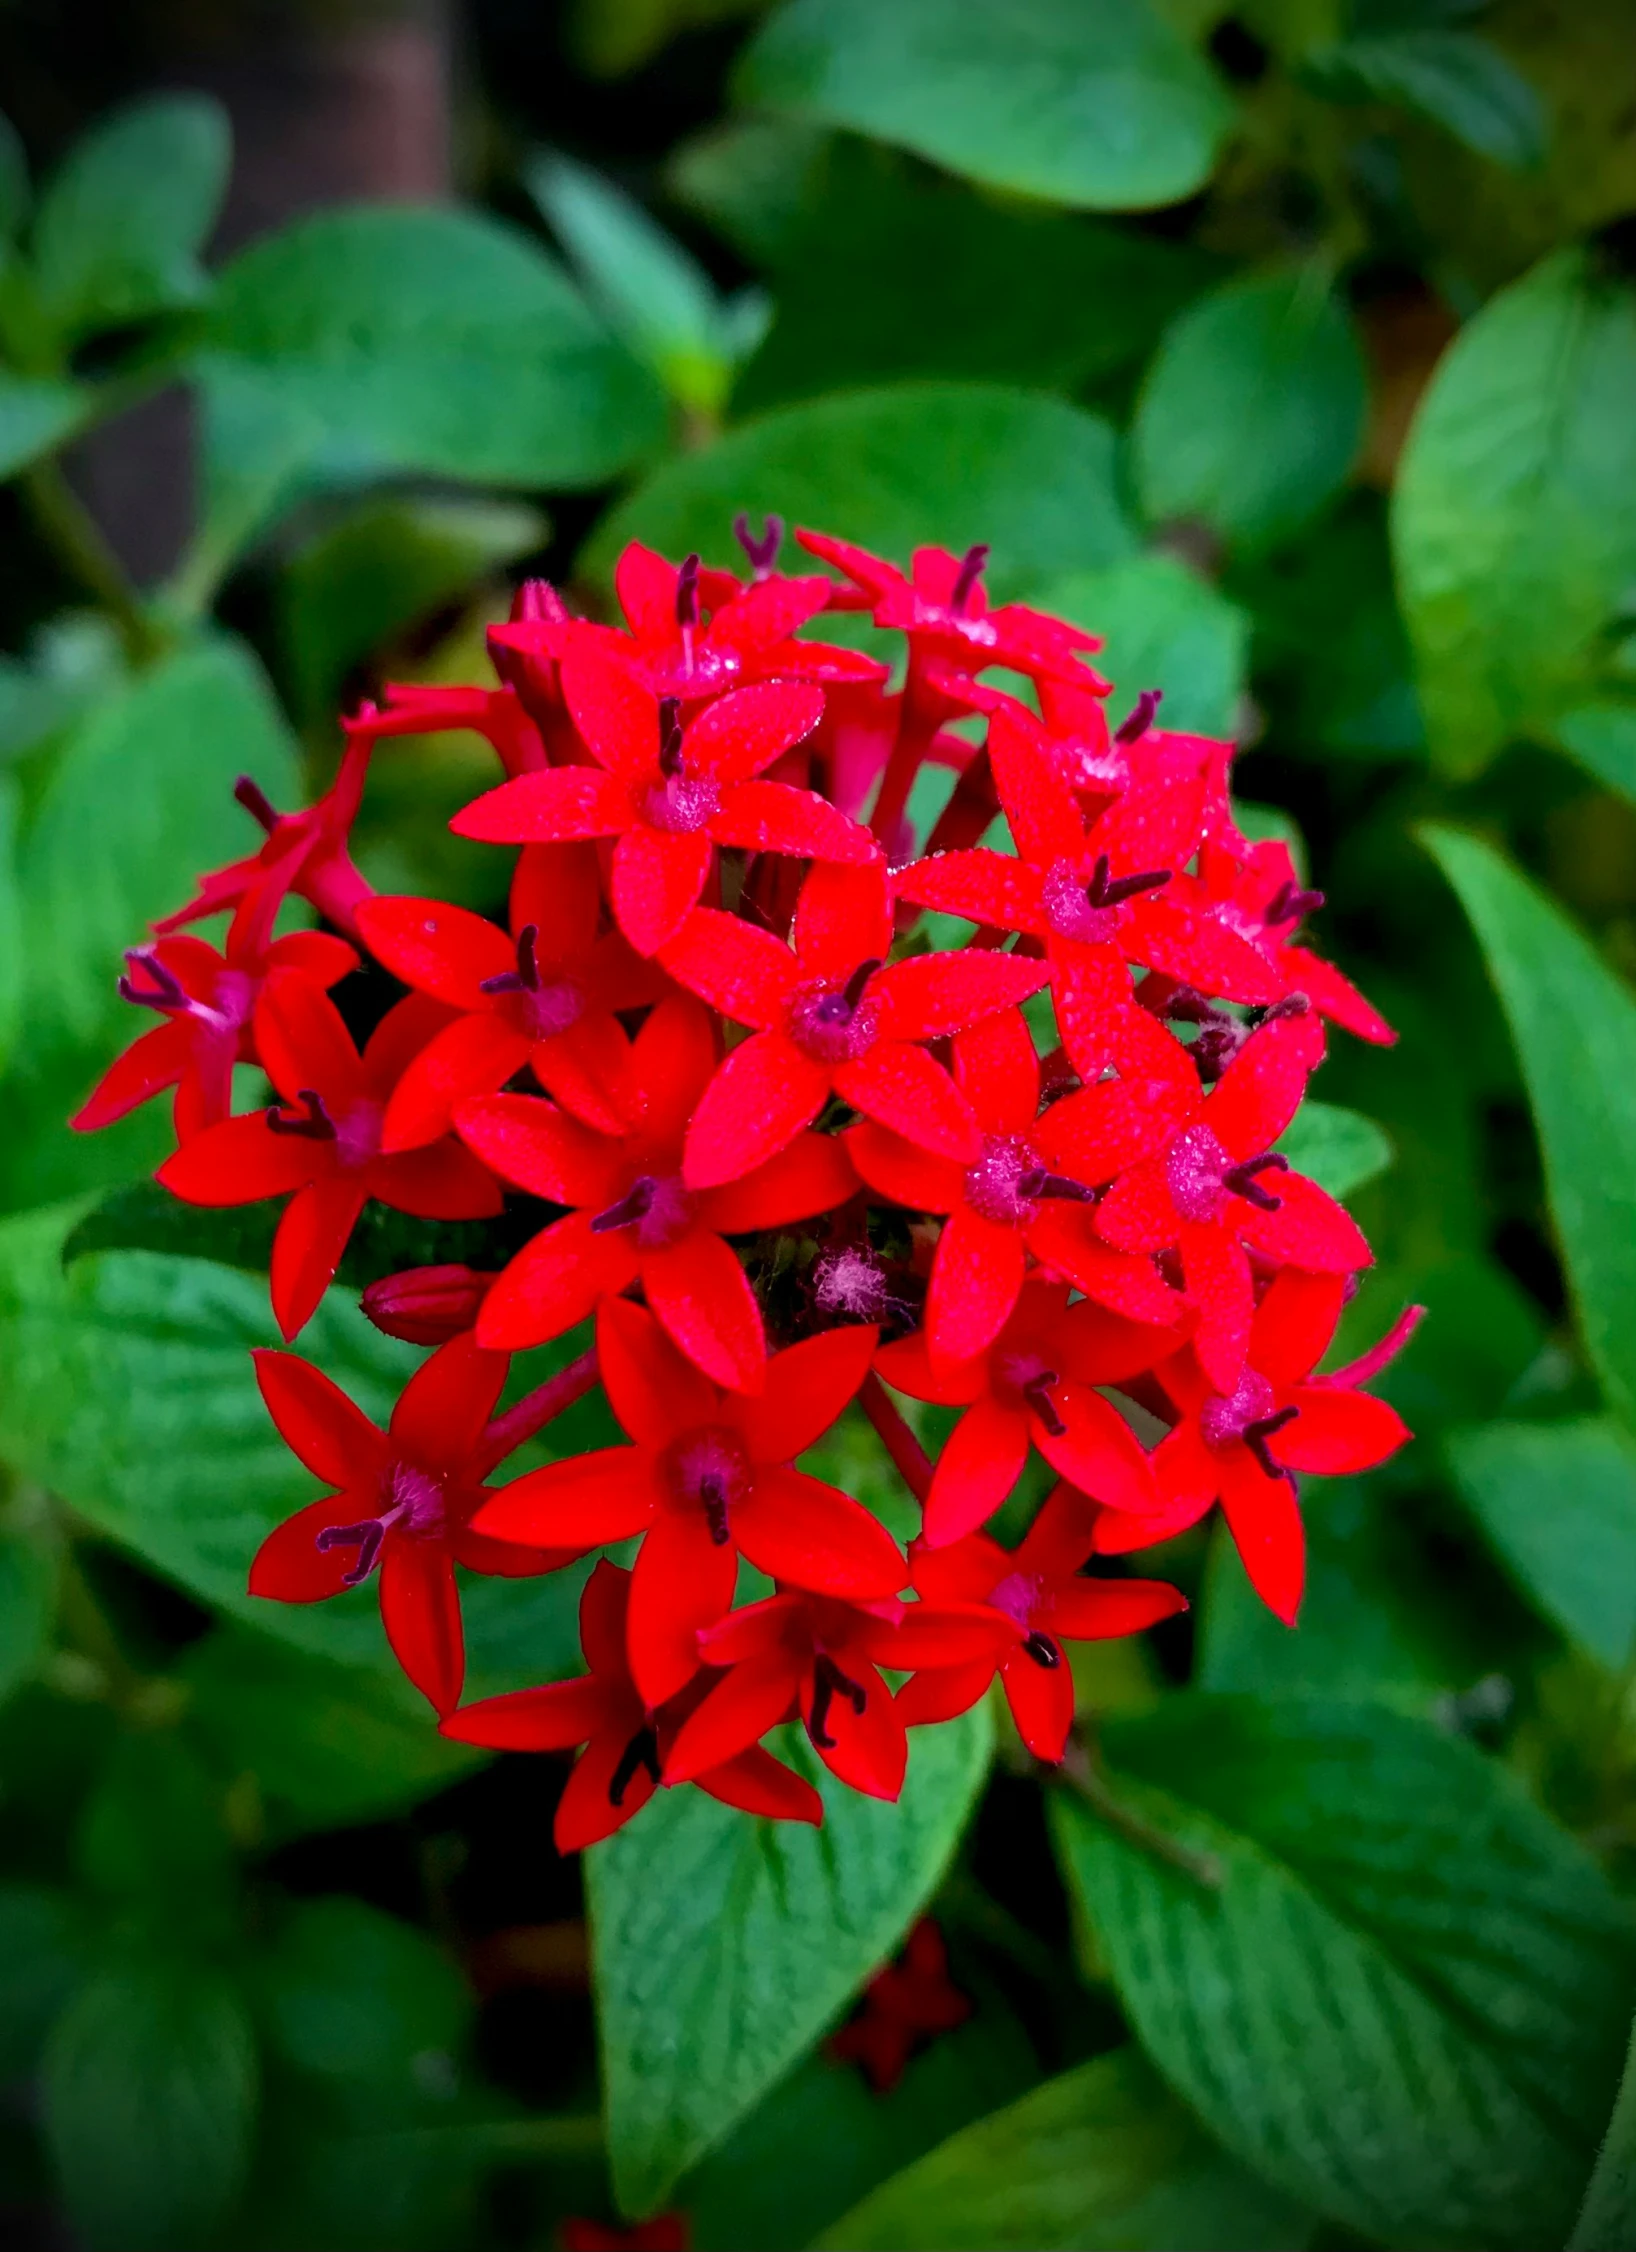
{"points": [[306, 854], [706, 1479], [903, 2005], [635, 1218], [320, 1143]]}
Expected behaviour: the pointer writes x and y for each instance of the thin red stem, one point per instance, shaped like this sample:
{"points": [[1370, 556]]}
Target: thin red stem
{"points": [[909, 1457], [536, 1409], [917, 731]]}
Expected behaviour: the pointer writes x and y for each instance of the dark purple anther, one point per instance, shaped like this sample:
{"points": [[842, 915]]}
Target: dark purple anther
{"points": [[1043, 1650], [970, 571], [1135, 725], [1037, 1184], [842, 1007], [687, 592], [1100, 892], [365, 1538], [525, 978], [713, 1501], [317, 1126], [641, 1751], [763, 552], [829, 1682], [1241, 1179], [634, 1205], [1258, 1433], [1289, 903], [256, 802], [167, 994], [670, 735], [1037, 1392]]}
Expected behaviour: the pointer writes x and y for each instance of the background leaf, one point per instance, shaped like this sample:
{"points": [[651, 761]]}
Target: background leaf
{"points": [[1453, 78], [1339, 1149], [1609, 2212], [37, 415], [1163, 626]]}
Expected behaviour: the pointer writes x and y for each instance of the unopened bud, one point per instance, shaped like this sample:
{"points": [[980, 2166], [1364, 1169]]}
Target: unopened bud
{"points": [[427, 1305]]}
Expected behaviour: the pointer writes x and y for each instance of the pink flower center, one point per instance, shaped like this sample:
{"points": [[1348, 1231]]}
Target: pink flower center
{"points": [[1008, 1182], [1087, 908], [656, 1205], [834, 1024], [680, 803], [710, 1470], [538, 1007], [412, 1502], [1029, 1376], [1224, 1421]]}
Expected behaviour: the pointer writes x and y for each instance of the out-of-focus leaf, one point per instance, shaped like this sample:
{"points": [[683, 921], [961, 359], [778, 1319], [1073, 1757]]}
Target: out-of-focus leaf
{"points": [[261, 446], [1603, 738], [722, 1946], [1339, 1149], [1162, 627], [75, 660], [130, 1392], [150, 2102], [327, 1744], [1607, 2219], [14, 190], [610, 37], [37, 415], [1574, 1025], [381, 568], [943, 462], [11, 922], [1558, 1501], [41, 1957], [1251, 413], [1103, 2158], [435, 342], [28, 1608], [121, 223], [751, 178], [1514, 521], [1102, 106], [1454, 78], [892, 273], [153, 1840], [1387, 1895]]}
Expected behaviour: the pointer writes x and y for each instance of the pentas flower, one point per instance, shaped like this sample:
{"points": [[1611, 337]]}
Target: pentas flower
{"points": [[207, 1000], [828, 1018], [1033, 1384], [1039, 1588], [705, 1480], [666, 2232], [904, 2005], [634, 1217], [427, 1305], [403, 1503], [320, 1142], [1026, 1187], [670, 792], [1241, 1446], [818, 1658], [412, 707], [544, 996], [306, 854], [625, 1737]]}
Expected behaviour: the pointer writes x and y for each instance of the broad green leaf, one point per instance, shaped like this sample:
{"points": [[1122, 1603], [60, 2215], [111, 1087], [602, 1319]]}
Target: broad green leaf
{"points": [[892, 273], [326, 1744], [37, 415], [1102, 106], [261, 447], [139, 801], [1406, 2002], [1558, 1501], [723, 1946], [435, 342], [1607, 2219], [1514, 523], [153, 1840], [379, 570], [1339, 1149], [150, 2102], [1252, 411], [130, 1392], [28, 1607], [1574, 1025], [1163, 627], [41, 1957], [949, 463], [1103, 2159], [121, 223], [11, 922], [75, 659], [750, 178], [1603, 739], [1454, 78]]}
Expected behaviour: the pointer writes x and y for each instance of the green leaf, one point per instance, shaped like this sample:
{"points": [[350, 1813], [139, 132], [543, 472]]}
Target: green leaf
{"points": [[37, 415], [1406, 2002], [121, 222], [1103, 2157], [14, 189], [723, 1946], [11, 922], [1102, 106], [1251, 414], [28, 1608], [150, 2102], [1558, 1501], [750, 178], [327, 1744], [1163, 627], [130, 1393], [434, 342], [1453, 78], [137, 803], [1603, 739], [153, 1840], [1514, 521], [1574, 1026], [1607, 2219], [1339, 1149], [948, 463], [379, 570], [41, 1956]]}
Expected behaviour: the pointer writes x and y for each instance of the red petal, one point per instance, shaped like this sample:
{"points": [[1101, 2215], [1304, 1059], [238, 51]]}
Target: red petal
{"points": [[554, 1282], [617, 717], [773, 817], [806, 1389], [703, 1297], [1041, 811], [1061, 1236], [290, 1567], [977, 1273], [682, 1581], [585, 1070], [325, 1431], [442, 950], [646, 586], [1138, 1213], [756, 1783], [748, 1700], [842, 917], [1334, 996], [444, 1407], [744, 972], [1309, 1229], [904, 1173], [1196, 950], [1087, 1610], [240, 1161], [655, 1391], [549, 807], [603, 1602], [1261, 1089], [813, 1175], [1338, 1432], [997, 1070], [1098, 1452], [1218, 1281], [420, 1610], [441, 1182], [1100, 1132], [942, 1693], [313, 1233], [1098, 1346], [1294, 1323], [1186, 1472], [794, 1528], [982, 1459], [553, 1719], [901, 1088], [315, 954], [868, 1750], [152, 1063], [908, 1367], [983, 886], [756, 1104], [657, 878], [938, 1634], [609, 1494], [474, 1056], [534, 1146], [672, 1059], [933, 994], [557, 888], [586, 1813], [777, 1622], [1041, 1700], [767, 613], [741, 734], [302, 1042], [399, 1037], [1265, 1522], [1091, 994]]}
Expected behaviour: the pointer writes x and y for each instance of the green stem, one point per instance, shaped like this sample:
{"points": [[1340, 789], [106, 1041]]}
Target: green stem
{"points": [[73, 536], [1083, 1777]]}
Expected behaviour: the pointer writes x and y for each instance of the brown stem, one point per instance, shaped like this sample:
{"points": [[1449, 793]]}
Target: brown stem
{"points": [[909, 1457], [1084, 1777], [536, 1409]]}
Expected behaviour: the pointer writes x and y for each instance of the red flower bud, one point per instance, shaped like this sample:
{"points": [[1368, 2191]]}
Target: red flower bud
{"points": [[427, 1305]]}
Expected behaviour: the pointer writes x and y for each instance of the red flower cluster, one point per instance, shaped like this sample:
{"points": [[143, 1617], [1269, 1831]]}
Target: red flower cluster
{"points": [[786, 1153]]}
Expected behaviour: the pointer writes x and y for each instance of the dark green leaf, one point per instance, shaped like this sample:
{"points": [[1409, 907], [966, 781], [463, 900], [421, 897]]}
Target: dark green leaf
{"points": [[37, 415], [946, 462], [121, 223], [1607, 2219], [751, 178], [1406, 2002], [14, 190], [1574, 1025], [1339, 1149], [1514, 524], [150, 2103], [1103, 2158], [1453, 78], [1162, 627], [28, 1607], [41, 1956], [1603, 738], [1558, 1501], [153, 1839], [723, 1946], [1251, 413], [1102, 106], [11, 922]]}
